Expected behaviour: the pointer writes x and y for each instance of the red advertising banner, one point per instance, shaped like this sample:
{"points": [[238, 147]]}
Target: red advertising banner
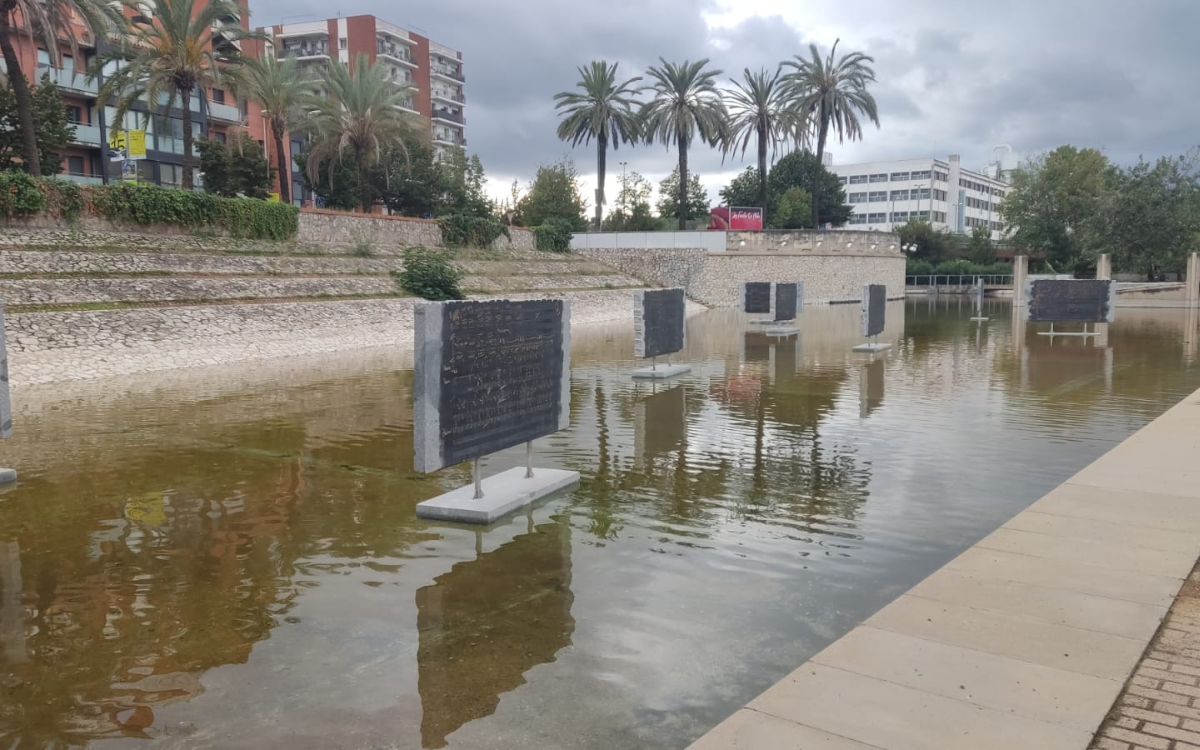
{"points": [[745, 218]]}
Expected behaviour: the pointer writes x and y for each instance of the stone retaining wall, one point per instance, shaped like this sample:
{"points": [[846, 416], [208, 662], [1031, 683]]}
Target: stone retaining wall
{"points": [[335, 228], [716, 278], [39, 262], [56, 346], [179, 289]]}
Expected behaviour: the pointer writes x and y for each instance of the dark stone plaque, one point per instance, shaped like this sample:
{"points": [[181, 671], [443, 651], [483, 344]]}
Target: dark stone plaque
{"points": [[756, 297], [1069, 300], [489, 375], [874, 307], [785, 301], [658, 322]]}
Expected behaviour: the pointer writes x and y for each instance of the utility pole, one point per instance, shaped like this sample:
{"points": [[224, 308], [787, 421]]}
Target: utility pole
{"points": [[624, 190]]}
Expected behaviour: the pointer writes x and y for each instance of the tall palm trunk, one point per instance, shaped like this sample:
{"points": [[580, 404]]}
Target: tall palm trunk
{"points": [[186, 93], [819, 172], [285, 177], [683, 182], [762, 170], [601, 163], [20, 87]]}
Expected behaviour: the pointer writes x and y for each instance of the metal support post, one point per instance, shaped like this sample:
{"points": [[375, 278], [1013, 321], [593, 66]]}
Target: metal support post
{"points": [[529, 460], [475, 475]]}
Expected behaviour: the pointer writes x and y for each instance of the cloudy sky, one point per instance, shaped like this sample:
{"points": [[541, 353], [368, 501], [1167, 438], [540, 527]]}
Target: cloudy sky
{"points": [[953, 77]]}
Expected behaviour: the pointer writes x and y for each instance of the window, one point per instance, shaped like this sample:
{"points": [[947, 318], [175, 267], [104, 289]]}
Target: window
{"points": [[218, 96], [899, 217], [877, 218], [923, 215], [342, 43], [939, 195], [75, 164], [921, 175], [842, 180], [74, 114], [43, 59], [858, 179], [940, 176], [899, 176], [877, 196], [919, 194], [900, 195], [857, 198], [879, 177], [939, 216], [220, 136], [858, 219]]}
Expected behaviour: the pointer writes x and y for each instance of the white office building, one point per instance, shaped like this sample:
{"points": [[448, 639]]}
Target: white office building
{"points": [[886, 194]]}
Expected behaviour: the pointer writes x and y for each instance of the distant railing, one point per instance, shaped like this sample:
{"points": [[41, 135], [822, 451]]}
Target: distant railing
{"points": [[959, 280]]}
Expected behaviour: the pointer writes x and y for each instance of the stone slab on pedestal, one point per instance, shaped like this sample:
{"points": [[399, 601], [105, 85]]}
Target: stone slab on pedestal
{"points": [[871, 348], [976, 320], [782, 331], [503, 493], [8, 476], [661, 372]]}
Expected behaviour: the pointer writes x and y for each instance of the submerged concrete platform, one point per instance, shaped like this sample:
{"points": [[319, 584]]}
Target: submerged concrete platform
{"points": [[8, 476], [871, 348], [661, 372], [503, 493], [1026, 639]]}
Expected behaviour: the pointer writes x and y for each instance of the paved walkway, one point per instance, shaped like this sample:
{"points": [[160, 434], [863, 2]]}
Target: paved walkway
{"points": [[1026, 640]]}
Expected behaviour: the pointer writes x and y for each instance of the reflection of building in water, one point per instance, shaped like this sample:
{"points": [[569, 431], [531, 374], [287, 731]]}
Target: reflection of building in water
{"points": [[658, 425], [12, 618], [870, 387], [487, 622], [1049, 363]]}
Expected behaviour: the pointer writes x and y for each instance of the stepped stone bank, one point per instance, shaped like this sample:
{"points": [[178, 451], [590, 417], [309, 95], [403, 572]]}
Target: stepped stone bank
{"points": [[94, 299]]}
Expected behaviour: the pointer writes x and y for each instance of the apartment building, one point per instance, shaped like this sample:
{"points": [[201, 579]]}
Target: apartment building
{"points": [[433, 72], [886, 194], [86, 161]]}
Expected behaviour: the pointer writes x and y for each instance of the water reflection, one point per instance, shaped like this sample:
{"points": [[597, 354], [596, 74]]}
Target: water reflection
{"points": [[485, 623], [232, 559]]}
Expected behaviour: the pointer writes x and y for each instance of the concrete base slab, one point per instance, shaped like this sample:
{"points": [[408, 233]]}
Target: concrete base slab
{"points": [[661, 372], [8, 476], [782, 331], [1078, 334], [768, 322], [502, 494], [979, 320], [872, 348]]}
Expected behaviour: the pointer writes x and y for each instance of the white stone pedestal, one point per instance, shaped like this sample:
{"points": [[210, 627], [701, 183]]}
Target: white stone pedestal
{"points": [[871, 348], [661, 372], [502, 494], [8, 476]]}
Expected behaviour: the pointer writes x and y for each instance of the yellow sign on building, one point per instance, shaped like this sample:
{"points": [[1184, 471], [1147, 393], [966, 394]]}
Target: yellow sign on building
{"points": [[137, 142]]}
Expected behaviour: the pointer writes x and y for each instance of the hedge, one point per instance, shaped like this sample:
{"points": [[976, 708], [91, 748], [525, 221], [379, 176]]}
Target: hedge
{"points": [[554, 235], [957, 267], [250, 218]]}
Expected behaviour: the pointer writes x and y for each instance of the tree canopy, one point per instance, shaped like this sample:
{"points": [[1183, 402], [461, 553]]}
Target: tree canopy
{"points": [[554, 193], [52, 131], [668, 198], [238, 167], [796, 170]]}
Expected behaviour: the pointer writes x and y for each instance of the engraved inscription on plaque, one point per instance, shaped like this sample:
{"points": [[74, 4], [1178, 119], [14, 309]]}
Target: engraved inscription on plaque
{"points": [[489, 375], [756, 297], [658, 322], [5, 403], [1069, 300], [874, 306], [785, 301]]}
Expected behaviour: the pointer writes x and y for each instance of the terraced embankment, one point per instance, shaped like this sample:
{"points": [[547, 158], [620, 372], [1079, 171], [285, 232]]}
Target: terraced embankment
{"points": [[92, 304]]}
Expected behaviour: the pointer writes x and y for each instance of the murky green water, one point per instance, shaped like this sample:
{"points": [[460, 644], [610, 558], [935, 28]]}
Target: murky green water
{"points": [[232, 559]]}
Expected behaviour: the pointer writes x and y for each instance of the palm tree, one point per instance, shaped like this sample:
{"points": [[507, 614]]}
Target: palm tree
{"points": [[48, 22], [359, 112], [760, 111], [276, 85], [686, 104], [169, 58], [604, 111], [832, 95]]}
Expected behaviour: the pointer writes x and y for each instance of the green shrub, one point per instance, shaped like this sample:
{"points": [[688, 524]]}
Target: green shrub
{"points": [[20, 194], [554, 235], [430, 273], [248, 218], [469, 230], [917, 267], [251, 218], [63, 198]]}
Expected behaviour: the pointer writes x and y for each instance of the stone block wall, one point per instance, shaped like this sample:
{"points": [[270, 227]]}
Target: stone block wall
{"points": [[716, 278], [336, 228]]}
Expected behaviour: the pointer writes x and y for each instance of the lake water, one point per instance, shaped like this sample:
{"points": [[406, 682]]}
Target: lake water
{"points": [[231, 558]]}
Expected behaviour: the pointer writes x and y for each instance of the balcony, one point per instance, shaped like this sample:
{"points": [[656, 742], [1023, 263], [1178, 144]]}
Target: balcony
{"points": [[305, 51], [449, 140], [448, 73], [447, 116], [86, 135], [68, 80], [219, 31], [81, 179], [449, 97], [224, 112], [395, 52]]}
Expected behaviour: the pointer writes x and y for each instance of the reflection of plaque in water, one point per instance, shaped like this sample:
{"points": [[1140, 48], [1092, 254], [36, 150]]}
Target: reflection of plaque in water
{"points": [[756, 297], [658, 424], [1049, 364], [870, 387], [787, 356], [489, 375], [1069, 300], [757, 347], [485, 623]]}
